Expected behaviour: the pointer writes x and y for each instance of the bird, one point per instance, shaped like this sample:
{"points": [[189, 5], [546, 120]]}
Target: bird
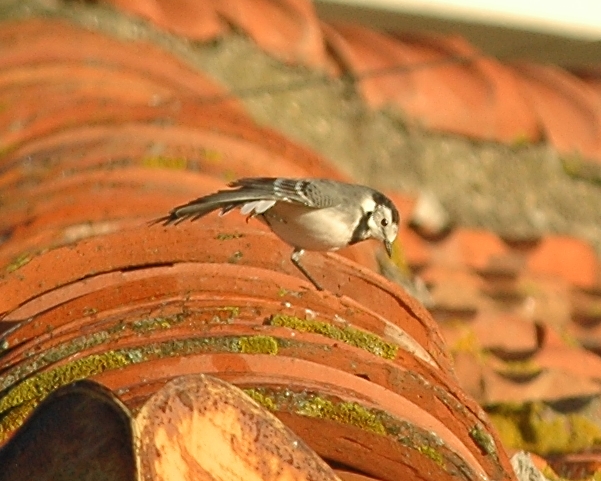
{"points": [[307, 214]]}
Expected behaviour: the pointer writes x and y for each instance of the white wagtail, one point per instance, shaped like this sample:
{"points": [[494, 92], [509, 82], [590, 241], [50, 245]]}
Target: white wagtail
{"points": [[308, 214]]}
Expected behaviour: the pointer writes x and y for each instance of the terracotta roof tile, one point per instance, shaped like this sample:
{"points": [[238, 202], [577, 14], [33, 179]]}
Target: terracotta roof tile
{"points": [[566, 107], [476, 98], [441, 83], [105, 135], [567, 258], [287, 29]]}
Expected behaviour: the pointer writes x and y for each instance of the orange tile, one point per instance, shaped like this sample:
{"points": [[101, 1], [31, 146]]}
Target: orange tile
{"points": [[566, 107], [507, 335], [456, 293], [427, 80], [479, 250], [548, 385], [287, 29], [568, 258]]}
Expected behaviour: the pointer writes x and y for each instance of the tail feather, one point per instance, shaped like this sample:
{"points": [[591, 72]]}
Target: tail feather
{"points": [[225, 200]]}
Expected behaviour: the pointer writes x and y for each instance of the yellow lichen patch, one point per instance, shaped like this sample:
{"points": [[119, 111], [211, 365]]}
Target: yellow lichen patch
{"points": [[160, 162], [349, 335], [431, 453], [36, 388], [520, 369], [537, 428], [154, 323], [213, 156], [261, 398], [466, 340], [225, 315], [343, 412], [258, 345], [14, 418]]}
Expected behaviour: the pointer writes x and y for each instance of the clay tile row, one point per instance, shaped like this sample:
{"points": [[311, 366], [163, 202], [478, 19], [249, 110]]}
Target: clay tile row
{"points": [[84, 431], [90, 290], [441, 83]]}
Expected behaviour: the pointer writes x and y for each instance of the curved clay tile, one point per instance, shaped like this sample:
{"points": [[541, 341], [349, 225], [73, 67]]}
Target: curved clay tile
{"points": [[441, 84], [81, 431], [157, 245], [566, 258], [287, 29], [89, 290], [216, 431], [195, 427], [35, 43], [567, 108]]}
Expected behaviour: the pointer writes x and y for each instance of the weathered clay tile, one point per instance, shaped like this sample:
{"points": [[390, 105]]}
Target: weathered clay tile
{"points": [[39, 42], [541, 385], [440, 84], [145, 246], [216, 433], [127, 283], [567, 258], [288, 29], [566, 107], [81, 431], [197, 427]]}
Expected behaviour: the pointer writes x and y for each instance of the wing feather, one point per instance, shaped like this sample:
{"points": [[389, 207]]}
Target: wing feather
{"points": [[255, 194]]}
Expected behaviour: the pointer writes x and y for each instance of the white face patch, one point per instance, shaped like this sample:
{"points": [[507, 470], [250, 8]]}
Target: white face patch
{"points": [[368, 204]]}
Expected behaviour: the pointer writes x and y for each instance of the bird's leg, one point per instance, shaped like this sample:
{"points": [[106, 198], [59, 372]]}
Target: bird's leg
{"points": [[295, 258]]}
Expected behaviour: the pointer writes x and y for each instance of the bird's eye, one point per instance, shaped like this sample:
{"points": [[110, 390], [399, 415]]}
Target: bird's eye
{"points": [[384, 222], [368, 214]]}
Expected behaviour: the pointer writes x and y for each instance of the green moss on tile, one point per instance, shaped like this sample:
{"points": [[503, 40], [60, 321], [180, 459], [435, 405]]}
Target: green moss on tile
{"points": [[160, 162], [18, 262], [536, 427], [577, 166], [526, 368], [225, 315], [287, 292], [432, 453], [18, 401], [349, 335], [39, 386], [15, 417], [261, 398], [213, 156], [154, 323], [483, 439], [343, 412], [224, 236], [353, 414], [467, 341], [51, 355], [258, 345]]}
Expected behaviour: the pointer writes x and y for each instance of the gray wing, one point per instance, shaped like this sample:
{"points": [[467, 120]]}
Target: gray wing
{"points": [[251, 192], [308, 192]]}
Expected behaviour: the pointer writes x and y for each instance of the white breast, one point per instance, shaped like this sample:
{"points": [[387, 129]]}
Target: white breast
{"points": [[311, 229]]}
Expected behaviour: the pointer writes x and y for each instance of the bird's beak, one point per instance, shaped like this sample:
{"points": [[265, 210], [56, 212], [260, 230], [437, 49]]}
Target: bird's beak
{"points": [[388, 246]]}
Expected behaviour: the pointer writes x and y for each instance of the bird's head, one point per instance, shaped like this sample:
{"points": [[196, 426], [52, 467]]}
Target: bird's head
{"points": [[383, 223]]}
